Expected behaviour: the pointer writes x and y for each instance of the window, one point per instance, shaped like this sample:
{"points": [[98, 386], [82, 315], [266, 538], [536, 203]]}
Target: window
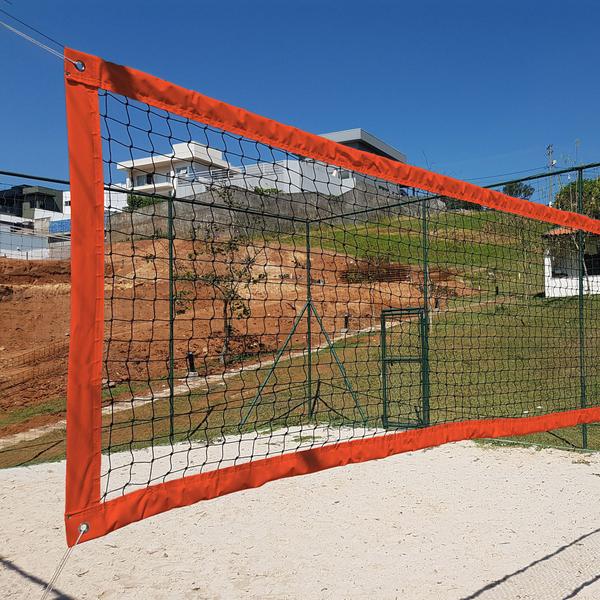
{"points": [[160, 178], [565, 262], [145, 179], [592, 263], [341, 173]]}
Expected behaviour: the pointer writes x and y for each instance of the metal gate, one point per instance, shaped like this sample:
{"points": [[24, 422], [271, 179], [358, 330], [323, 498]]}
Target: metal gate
{"points": [[405, 367]]}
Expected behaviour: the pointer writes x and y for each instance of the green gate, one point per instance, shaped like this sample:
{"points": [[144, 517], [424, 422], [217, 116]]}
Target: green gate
{"points": [[405, 367]]}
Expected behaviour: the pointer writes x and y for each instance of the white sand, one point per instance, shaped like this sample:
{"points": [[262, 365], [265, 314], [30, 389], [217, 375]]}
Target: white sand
{"points": [[460, 521], [131, 471]]}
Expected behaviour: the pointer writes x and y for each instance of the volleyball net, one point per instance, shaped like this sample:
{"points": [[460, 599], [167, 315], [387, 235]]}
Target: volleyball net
{"points": [[251, 302]]}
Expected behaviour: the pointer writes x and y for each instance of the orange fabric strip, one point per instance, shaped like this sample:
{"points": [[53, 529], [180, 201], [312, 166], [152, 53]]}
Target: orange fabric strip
{"points": [[193, 105], [87, 298], [139, 505], [84, 385]]}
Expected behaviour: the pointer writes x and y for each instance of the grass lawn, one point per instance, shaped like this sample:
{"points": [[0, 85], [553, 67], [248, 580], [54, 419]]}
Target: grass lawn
{"points": [[487, 361]]}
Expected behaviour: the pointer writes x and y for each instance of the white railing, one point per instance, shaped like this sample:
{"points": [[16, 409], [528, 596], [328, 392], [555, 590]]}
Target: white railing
{"points": [[209, 175], [24, 243]]}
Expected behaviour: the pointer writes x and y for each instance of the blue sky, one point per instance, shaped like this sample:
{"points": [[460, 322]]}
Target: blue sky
{"points": [[469, 88]]}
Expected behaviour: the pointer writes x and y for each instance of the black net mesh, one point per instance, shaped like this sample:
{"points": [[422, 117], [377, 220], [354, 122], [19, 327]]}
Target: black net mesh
{"points": [[259, 303]]}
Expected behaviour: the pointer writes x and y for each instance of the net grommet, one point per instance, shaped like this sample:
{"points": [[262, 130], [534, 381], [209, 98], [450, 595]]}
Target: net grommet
{"points": [[79, 65]]}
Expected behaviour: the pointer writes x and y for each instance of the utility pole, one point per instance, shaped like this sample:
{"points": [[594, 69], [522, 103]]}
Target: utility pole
{"points": [[551, 165]]}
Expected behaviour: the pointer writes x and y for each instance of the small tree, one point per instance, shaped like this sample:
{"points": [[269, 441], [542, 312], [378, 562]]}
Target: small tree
{"points": [[233, 257], [137, 201], [518, 189], [266, 191], [456, 204], [566, 199]]}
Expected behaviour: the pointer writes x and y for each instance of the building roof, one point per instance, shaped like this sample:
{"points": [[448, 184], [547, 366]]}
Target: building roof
{"points": [[559, 231], [22, 190], [363, 140], [187, 152]]}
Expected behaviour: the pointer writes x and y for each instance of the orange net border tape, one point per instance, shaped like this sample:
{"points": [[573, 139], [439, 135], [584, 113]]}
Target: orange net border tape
{"points": [[84, 387]]}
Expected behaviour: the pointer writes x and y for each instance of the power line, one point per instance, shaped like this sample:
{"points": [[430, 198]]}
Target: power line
{"points": [[35, 177], [32, 28], [506, 174], [32, 40], [76, 63]]}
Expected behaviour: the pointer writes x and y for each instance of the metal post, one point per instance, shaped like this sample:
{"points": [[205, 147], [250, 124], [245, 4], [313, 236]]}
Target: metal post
{"points": [[308, 321], [581, 270], [261, 387], [191, 362], [384, 372], [340, 364], [425, 318], [170, 235]]}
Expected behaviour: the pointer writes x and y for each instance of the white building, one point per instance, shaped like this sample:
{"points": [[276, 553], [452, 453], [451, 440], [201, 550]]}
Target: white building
{"points": [[113, 202], [26, 212], [161, 173], [193, 168], [561, 263], [36, 222]]}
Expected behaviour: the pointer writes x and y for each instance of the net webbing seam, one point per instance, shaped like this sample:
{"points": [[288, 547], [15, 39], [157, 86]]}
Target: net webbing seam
{"points": [[84, 406]]}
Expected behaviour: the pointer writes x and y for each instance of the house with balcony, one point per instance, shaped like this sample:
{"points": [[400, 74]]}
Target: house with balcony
{"points": [[27, 203], [25, 214], [193, 168], [162, 173]]}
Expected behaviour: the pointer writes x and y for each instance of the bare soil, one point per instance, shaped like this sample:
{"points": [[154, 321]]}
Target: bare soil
{"points": [[35, 314], [34, 329]]}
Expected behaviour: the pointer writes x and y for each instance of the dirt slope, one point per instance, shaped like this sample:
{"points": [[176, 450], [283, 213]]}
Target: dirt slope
{"points": [[35, 304]]}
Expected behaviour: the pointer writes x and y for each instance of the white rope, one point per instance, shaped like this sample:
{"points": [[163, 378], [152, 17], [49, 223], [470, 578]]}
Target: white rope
{"points": [[39, 44], [83, 528]]}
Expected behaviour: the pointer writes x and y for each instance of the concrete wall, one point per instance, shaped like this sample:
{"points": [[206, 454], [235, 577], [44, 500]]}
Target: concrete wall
{"points": [[21, 242], [37, 254], [191, 218], [562, 287], [28, 246], [293, 177], [60, 251]]}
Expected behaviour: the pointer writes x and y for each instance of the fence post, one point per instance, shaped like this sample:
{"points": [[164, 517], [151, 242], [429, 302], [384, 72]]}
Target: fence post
{"points": [[308, 320], [384, 371], [581, 273], [171, 236], [425, 321]]}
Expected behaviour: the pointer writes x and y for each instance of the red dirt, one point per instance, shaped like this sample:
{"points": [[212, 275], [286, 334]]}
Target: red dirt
{"points": [[34, 318], [15, 272], [35, 296]]}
